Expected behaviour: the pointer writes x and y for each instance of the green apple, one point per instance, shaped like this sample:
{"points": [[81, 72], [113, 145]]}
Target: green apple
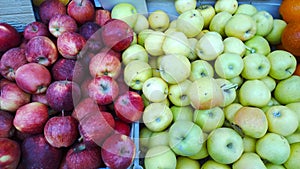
{"points": [[209, 46], [153, 43], [144, 136], [294, 158], [190, 22], [254, 93], [218, 22], [157, 116], [273, 148], [252, 121], [155, 89], [174, 68], [296, 108], [208, 12], [160, 157], [293, 138], [249, 161], [203, 152], [134, 40], [264, 22], [241, 26], [229, 91], [247, 8], [152, 60], [231, 110], [228, 65], [160, 138], [182, 113], [173, 23], [192, 56], [134, 52], [256, 66], [274, 36], [176, 43], [279, 116], [126, 12], [226, 150], [184, 5], [187, 163], [270, 82], [249, 144], [147, 102], [143, 35], [159, 20], [237, 80], [201, 68], [287, 91], [178, 93], [283, 64], [185, 138], [136, 73], [205, 93], [141, 23], [257, 44], [211, 164], [226, 5], [274, 166], [234, 45], [209, 119]]}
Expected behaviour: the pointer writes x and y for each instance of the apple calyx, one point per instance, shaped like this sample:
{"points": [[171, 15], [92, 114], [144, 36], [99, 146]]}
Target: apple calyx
{"points": [[43, 60], [277, 114], [227, 87], [250, 49], [41, 89], [203, 7], [79, 148]]}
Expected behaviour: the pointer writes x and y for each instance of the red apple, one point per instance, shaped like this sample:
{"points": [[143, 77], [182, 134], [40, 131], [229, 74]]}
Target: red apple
{"points": [[33, 78], [129, 106], [69, 44], [31, 118], [105, 64], [103, 89], [112, 52], [81, 10], [35, 28], [88, 29], [10, 153], [85, 107], [117, 34], [122, 127], [39, 98], [84, 86], [102, 16], [59, 24], [6, 124], [11, 60], [50, 8], [9, 37], [63, 95], [118, 151]]}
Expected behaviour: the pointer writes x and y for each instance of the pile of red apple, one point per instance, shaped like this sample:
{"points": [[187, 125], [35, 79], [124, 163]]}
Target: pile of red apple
{"points": [[64, 103]]}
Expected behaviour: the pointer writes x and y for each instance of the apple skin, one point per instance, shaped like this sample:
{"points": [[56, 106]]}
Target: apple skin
{"points": [[84, 107], [122, 127], [117, 34], [81, 10], [35, 28], [102, 16], [286, 91], [9, 37], [39, 98], [6, 128], [10, 61], [62, 95], [88, 29], [118, 151], [61, 131], [129, 106], [50, 8], [42, 50], [31, 118], [59, 24], [10, 151]]}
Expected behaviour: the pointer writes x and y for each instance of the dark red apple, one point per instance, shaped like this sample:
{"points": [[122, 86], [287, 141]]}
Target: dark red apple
{"points": [[11, 60], [84, 86], [35, 28], [117, 34], [39, 98], [118, 151], [6, 126], [10, 153], [81, 10], [88, 29], [122, 127], [85, 107], [42, 50], [31, 118], [33, 78], [9, 37], [38, 153], [102, 16], [59, 24], [112, 52], [69, 44], [103, 89], [50, 8], [63, 95]]}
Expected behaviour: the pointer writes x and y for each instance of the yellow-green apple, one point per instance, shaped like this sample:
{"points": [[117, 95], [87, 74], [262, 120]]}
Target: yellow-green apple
{"points": [[187, 163], [211, 164], [229, 91], [257, 44], [228, 65], [160, 138], [209, 46], [134, 52], [190, 22], [205, 93], [147, 102], [174, 68], [185, 138], [62, 23], [283, 64], [134, 39], [280, 115], [50, 8], [160, 157], [10, 153], [231, 110], [296, 108], [141, 36], [293, 138], [201, 68], [182, 113], [293, 160], [125, 12], [153, 62], [252, 121], [274, 36], [136, 73], [219, 21], [226, 5], [264, 22], [192, 44], [155, 89], [237, 80], [35, 28], [159, 20], [157, 116], [256, 66], [141, 23], [178, 93], [101, 16], [208, 12], [153, 42], [286, 90], [247, 8], [226, 150], [241, 26], [234, 45], [249, 161], [81, 10], [203, 152], [69, 44], [274, 166], [176, 43], [270, 82], [209, 119], [144, 136], [249, 144], [184, 5], [265, 148], [254, 93]]}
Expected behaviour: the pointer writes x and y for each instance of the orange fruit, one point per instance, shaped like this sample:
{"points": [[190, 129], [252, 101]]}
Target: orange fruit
{"points": [[297, 71], [290, 38], [290, 10]]}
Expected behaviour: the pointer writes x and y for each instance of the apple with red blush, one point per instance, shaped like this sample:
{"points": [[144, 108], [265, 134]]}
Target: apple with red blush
{"points": [[102, 16], [50, 8], [84, 107], [10, 153], [9, 37], [39, 98], [69, 44], [112, 52], [81, 10], [6, 126], [88, 29], [122, 127], [61, 23], [34, 29]]}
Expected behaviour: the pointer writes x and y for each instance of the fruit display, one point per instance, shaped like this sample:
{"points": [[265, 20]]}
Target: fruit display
{"points": [[214, 86]]}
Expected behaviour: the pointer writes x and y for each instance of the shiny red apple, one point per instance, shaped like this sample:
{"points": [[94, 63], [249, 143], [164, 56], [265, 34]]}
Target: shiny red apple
{"points": [[35, 28], [10, 153], [9, 37], [59, 24], [50, 8], [69, 44], [6, 124], [81, 10]]}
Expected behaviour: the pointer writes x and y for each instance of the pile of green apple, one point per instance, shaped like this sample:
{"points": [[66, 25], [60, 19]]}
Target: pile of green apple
{"points": [[217, 93]]}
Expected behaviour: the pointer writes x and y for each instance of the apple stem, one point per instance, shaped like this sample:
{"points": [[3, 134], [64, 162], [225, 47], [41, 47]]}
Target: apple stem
{"points": [[250, 49]]}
